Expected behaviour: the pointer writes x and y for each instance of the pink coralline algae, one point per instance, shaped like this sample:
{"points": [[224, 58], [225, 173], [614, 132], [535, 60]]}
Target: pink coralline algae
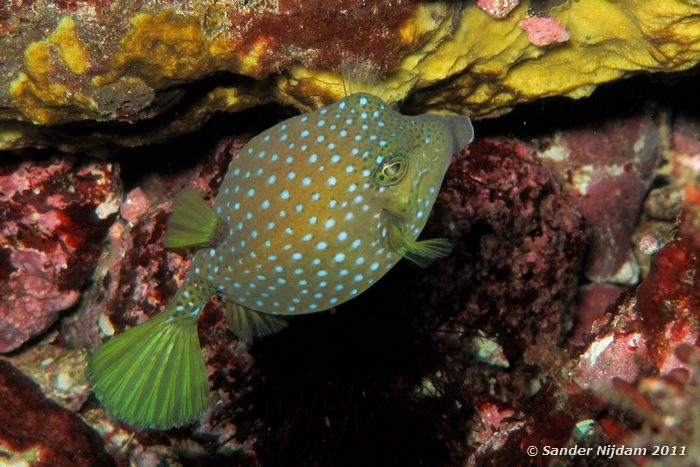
{"points": [[592, 303], [609, 164], [37, 430], [497, 8], [543, 31], [55, 214], [519, 246], [632, 357], [135, 204], [518, 242], [137, 277]]}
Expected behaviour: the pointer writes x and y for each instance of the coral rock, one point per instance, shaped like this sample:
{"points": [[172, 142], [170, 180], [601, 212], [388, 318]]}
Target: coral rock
{"points": [[609, 164], [518, 242], [497, 8], [60, 373], [593, 302], [137, 276], [37, 430], [544, 31], [55, 214], [134, 280], [90, 61]]}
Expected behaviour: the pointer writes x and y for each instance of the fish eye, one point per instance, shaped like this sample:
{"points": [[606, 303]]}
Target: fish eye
{"points": [[392, 170]]}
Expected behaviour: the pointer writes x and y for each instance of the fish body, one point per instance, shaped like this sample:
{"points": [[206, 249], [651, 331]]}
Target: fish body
{"points": [[306, 213], [311, 213]]}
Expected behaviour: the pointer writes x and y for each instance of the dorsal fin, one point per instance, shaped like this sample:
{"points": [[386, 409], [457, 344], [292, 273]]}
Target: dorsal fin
{"points": [[362, 78]]}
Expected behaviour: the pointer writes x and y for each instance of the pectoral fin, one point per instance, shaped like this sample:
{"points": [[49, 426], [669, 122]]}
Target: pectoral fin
{"points": [[424, 252], [420, 252], [250, 323]]}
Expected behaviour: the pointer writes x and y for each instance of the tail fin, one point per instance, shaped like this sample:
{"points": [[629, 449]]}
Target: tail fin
{"points": [[153, 375], [193, 222]]}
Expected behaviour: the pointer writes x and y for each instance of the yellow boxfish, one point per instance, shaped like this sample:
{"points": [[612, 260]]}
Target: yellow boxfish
{"points": [[311, 213]]}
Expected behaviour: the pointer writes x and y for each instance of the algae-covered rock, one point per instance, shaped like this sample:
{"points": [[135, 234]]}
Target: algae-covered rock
{"points": [[37, 431], [173, 65]]}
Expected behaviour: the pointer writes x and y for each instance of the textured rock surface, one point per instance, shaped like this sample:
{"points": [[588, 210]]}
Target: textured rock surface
{"points": [[55, 213], [133, 280], [518, 244], [136, 276], [112, 62], [629, 373], [36, 431], [60, 372], [609, 164]]}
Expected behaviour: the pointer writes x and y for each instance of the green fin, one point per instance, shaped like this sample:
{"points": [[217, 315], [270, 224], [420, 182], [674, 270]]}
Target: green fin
{"points": [[421, 252], [193, 222], [153, 375], [424, 252], [250, 323]]}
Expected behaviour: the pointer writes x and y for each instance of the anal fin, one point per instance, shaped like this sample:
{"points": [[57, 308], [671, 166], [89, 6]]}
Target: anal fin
{"points": [[249, 323]]}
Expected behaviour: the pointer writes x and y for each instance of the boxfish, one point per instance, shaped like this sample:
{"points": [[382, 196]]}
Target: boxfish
{"points": [[311, 213]]}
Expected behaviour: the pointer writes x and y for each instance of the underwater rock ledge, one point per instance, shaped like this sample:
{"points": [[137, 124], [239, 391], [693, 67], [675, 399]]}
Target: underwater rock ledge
{"points": [[36, 431], [170, 66]]}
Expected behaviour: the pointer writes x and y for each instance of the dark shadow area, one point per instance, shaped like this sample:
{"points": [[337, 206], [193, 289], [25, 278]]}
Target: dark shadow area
{"points": [[181, 152], [339, 389], [616, 100]]}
